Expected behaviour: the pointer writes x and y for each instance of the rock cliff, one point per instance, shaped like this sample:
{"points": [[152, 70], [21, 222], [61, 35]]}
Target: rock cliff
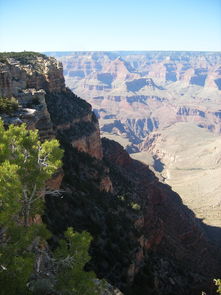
{"points": [[173, 242], [145, 240], [161, 87], [141, 96], [191, 167]]}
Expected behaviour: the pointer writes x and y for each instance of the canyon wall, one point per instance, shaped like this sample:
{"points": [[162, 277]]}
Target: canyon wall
{"points": [[134, 93], [145, 240], [162, 107]]}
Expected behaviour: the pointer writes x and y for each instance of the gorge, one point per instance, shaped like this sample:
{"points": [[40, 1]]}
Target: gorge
{"points": [[145, 240], [161, 106]]}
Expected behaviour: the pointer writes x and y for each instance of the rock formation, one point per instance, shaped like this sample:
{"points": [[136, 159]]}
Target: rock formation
{"points": [[160, 88], [141, 98], [145, 240], [191, 167], [170, 231]]}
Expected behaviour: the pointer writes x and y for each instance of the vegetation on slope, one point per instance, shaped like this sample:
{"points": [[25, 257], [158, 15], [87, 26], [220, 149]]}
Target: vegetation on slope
{"points": [[24, 57], [109, 218], [8, 105], [77, 107], [27, 266]]}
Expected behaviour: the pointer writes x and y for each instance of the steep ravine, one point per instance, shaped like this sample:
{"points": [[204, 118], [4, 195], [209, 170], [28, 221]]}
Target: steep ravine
{"points": [[145, 240]]}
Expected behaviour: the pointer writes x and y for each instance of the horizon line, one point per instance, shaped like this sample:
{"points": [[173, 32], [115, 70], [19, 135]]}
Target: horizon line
{"points": [[125, 50]]}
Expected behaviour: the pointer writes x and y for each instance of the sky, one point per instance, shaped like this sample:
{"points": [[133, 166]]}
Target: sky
{"points": [[70, 25]]}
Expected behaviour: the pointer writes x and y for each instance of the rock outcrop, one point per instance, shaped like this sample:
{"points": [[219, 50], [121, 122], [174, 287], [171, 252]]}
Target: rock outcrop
{"points": [[173, 241], [37, 72], [28, 79], [162, 87], [145, 240], [139, 96]]}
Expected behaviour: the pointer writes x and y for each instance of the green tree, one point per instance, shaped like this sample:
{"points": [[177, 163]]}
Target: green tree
{"points": [[8, 105], [70, 259], [27, 265], [25, 165]]}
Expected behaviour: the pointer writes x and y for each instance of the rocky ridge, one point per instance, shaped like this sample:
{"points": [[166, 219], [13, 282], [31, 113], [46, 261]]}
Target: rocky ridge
{"points": [[163, 87], [140, 96], [145, 239]]}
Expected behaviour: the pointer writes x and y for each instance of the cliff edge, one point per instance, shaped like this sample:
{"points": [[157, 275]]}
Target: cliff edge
{"points": [[145, 240]]}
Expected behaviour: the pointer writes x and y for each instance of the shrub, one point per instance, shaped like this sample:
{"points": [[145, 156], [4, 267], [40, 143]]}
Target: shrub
{"points": [[24, 57], [8, 105]]}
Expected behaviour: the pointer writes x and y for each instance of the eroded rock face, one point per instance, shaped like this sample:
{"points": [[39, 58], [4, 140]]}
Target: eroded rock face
{"points": [[38, 85], [75, 123], [29, 82], [159, 88], [145, 240], [39, 73], [90, 144], [198, 68], [173, 241], [140, 96], [41, 78]]}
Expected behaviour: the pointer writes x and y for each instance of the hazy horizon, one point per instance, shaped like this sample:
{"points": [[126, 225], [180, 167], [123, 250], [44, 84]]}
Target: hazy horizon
{"points": [[137, 51]]}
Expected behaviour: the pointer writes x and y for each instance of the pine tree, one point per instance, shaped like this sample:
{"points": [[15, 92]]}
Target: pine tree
{"points": [[25, 165], [27, 266], [71, 257]]}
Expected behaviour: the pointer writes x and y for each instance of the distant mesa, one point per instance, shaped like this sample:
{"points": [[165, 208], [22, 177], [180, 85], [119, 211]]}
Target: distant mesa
{"points": [[138, 84]]}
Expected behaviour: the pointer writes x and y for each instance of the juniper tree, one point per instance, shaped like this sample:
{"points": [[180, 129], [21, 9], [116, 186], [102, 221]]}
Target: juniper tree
{"points": [[25, 165]]}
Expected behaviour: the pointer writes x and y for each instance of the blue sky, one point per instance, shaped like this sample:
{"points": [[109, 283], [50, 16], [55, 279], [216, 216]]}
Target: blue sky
{"points": [[70, 25]]}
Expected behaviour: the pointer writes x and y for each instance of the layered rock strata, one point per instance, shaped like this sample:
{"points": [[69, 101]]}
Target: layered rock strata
{"points": [[134, 93], [141, 96], [145, 240]]}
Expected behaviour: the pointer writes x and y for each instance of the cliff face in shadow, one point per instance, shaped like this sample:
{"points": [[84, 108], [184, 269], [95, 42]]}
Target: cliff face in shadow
{"points": [[177, 253], [164, 104], [145, 240]]}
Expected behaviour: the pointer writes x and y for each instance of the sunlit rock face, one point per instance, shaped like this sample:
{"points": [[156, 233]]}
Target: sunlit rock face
{"points": [[37, 82], [134, 93], [36, 79], [162, 107], [145, 241], [38, 72], [28, 79]]}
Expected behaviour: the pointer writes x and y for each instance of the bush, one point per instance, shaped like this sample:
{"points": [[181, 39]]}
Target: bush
{"points": [[24, 57], [8, 105]]}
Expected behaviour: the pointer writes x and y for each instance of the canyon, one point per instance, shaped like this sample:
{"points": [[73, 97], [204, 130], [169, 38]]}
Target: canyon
{"points": [[163, 107], [145, 240]]}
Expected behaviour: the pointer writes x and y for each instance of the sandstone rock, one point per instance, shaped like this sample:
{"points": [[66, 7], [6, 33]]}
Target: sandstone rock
{"points": [[149, 86], [154, 247], [167, 224], [106, 184], [90, 144], [41, 73]]}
